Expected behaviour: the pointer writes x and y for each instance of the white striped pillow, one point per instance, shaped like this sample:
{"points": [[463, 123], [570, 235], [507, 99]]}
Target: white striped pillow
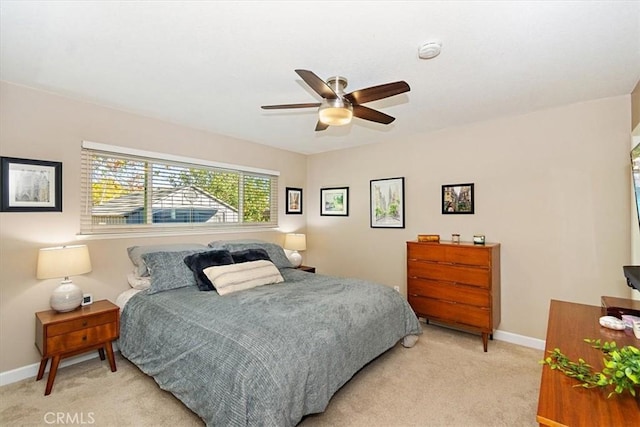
{"points": [[238, 277]]}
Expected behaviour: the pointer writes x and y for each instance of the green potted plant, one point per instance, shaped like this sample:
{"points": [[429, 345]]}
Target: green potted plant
{"points": [[621, 368]]}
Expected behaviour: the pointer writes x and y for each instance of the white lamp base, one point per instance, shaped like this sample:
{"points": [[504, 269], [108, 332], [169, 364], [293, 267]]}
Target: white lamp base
{"points": [[295, 258], [66, 297]]}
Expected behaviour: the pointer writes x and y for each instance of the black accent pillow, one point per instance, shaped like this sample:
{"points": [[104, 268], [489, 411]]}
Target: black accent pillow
{"points": [[248, 255], [200, 261]]}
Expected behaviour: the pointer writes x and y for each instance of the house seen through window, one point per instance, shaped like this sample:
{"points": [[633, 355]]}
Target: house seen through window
{"points": [[124, 192]]}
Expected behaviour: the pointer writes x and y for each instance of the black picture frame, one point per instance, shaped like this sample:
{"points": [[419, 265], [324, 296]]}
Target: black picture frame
{"points": [[30, 185], [386, 198], [458, 199], [294, 201], [334, 201]]}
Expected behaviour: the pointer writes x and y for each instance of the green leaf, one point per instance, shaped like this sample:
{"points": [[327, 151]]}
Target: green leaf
{"points": [[621, 367]]}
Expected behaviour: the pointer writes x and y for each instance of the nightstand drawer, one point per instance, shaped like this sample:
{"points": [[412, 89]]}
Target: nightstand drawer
{"points": [[82, 338], [81, 323]]}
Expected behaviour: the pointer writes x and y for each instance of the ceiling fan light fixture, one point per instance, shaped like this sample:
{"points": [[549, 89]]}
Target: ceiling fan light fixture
{"points": [[337, 107], [335, 112]]}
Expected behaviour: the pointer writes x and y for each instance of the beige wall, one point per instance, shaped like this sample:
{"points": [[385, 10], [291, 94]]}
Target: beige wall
{"points": [[552, 187], [635, 231], [38, 125], [635, 109]]}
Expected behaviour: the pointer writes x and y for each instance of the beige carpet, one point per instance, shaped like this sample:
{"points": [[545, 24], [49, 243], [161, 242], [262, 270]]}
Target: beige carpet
{"points": [[445, 380]]}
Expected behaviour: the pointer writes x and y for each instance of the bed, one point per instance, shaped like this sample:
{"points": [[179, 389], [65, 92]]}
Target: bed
{"points": [[265, 355]]}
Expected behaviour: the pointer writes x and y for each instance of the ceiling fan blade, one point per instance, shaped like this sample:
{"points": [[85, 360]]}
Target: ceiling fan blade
{"points": [[374, 93], [317, 84], [321, 126], [372, 115], [278, 107]]}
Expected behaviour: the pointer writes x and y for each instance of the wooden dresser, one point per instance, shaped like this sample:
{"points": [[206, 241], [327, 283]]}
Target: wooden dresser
{"points": [[456, 284]]}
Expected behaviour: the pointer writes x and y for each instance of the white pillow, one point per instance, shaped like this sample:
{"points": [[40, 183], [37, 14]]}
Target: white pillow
{"points": [[238, 277], [137, 282]]}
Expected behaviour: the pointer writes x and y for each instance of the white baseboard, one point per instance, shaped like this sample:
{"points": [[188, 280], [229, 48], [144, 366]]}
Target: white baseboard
{"points": [[509, 337], [29, 371], [512, 338]]}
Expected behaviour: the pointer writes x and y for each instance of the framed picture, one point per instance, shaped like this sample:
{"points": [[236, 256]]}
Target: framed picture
{"points": [[334, 201], [30, 185], [387, 203], [294, 201], [457, 199]]}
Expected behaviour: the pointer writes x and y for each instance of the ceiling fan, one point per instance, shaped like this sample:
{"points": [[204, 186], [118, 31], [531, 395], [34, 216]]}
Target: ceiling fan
{"points": [[337, 108]]}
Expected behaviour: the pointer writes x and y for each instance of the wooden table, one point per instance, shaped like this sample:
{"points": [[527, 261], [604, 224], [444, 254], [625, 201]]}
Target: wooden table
{"points": [[561, 404], [60, 335]]}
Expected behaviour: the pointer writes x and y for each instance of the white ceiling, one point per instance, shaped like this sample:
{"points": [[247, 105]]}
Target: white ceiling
{"points": [[211, 65]]}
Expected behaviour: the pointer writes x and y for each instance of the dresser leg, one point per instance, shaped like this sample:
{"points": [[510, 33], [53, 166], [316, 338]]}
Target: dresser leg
{"points": [[112, 360], [485, 340], [43, 365], [101, 353], [52, 374]]}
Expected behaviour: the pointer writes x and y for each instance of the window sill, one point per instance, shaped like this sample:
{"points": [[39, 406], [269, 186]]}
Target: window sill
{"points": [[172, 233]]}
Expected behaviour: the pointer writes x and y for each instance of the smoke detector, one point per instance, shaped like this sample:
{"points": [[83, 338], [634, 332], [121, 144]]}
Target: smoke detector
{"points": [[429, 50]]}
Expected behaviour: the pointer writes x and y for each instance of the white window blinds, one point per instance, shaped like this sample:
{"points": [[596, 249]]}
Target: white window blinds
{"points": [[127, 191]]}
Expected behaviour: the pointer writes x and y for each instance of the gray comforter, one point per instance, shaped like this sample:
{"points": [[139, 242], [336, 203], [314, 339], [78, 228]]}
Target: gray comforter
{"points": [[265, 356]]}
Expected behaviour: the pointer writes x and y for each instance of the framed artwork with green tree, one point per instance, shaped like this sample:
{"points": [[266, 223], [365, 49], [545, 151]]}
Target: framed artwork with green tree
{"points": [[387, 203]]}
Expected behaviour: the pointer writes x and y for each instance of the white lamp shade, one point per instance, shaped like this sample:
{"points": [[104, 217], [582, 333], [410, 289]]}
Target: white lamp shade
{"points": [[295, 242], [63, 261]]}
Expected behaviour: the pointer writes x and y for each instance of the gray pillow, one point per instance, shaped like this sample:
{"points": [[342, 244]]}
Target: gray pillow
{"points": [[168, 270], [136, 252], [275, 252]]}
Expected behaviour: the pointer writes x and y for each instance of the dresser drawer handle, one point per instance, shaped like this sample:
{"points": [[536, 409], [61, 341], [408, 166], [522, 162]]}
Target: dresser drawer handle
{"points": [[84, 323], [84, 338]]}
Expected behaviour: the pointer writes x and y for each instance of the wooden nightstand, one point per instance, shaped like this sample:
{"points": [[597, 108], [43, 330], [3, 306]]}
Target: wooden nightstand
{"points": [[307, 268], [60, 335]]}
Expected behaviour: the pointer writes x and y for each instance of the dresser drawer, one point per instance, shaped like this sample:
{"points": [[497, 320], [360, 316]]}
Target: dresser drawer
{"points": [[81, 323], [450, 292], [83, 338], [451, 312], [466, 255], [475, 276]]}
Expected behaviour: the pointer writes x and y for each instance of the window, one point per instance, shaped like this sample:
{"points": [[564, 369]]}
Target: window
{"points": [[127, 190]]}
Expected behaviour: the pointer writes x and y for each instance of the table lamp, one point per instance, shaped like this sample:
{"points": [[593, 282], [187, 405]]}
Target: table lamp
{"points": [[64, 261], [295, 242]]}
